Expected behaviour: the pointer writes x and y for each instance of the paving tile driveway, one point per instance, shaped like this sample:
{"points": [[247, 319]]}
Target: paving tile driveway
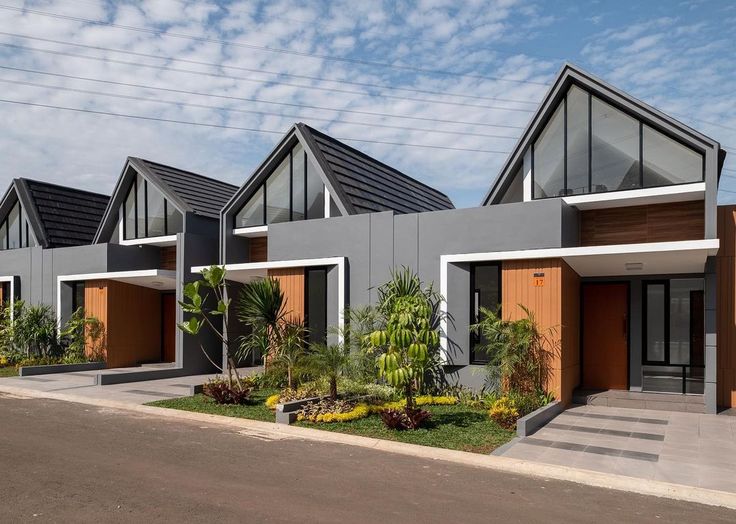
{"points": [[682, 448]]}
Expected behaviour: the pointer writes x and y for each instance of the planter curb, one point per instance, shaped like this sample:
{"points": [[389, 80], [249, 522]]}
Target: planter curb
{"points": [[509, 465], [531, 423], [29, 371]]}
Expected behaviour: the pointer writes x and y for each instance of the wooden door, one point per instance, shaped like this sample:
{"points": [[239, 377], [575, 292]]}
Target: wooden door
{"points": [[605, 336], [168, 326]]}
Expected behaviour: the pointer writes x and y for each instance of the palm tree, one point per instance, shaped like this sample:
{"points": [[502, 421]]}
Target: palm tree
{"points": [[291, 348], [329, 361], [262, 306]]}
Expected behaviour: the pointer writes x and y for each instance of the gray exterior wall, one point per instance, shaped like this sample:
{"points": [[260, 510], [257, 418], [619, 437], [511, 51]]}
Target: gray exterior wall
{"points": [[375, 243]]}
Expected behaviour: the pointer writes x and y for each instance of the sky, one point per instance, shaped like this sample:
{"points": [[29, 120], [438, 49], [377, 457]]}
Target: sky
{"points": [[439, 89]]}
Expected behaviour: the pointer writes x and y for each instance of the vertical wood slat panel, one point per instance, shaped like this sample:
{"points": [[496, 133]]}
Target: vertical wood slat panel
{"points": [[726, 307], [167, 257], [258, 249], [292, 285], [132, 319]]}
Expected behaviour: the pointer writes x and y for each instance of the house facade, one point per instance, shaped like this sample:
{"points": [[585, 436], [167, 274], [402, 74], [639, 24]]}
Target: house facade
{"points": [[603, 223]]}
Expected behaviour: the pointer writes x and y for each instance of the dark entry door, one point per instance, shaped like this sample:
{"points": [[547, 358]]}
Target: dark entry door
{"points": [[605, 336], [168, 325]]}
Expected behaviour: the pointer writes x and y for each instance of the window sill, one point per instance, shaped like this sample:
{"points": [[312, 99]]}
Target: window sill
{"points": [[164, 241], [251, 232]]}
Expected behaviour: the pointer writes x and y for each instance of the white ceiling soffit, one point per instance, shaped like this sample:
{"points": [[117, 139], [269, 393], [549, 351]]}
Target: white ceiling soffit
{"points": [[638, 197]]}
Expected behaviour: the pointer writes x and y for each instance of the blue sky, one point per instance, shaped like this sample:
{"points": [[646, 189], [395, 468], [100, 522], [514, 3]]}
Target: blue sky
{"points": [[386, 73]]}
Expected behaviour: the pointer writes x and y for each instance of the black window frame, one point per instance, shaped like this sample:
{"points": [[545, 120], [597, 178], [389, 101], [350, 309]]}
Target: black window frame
{"points": [[308, 335], [75, 289], [23, 242], [472, 317], [136, 235], [262, 187], [616, 106]]}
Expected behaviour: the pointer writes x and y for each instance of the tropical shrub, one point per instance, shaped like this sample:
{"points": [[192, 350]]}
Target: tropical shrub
{"points": [[407, 418], [198, 299], [33, 331], [262, 307], [83, 338], [225, 392], [329, 362], [504, 412], [520, 352], [290, 349], [359, 323], [410, 332]]}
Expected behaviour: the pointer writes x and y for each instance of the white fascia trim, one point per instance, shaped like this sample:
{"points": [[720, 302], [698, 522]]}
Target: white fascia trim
{"points": [[709, 245], [256, 231], [635, 194], [327, 202], [109, 276], [11, 280], [307, 262], [167, 239]]}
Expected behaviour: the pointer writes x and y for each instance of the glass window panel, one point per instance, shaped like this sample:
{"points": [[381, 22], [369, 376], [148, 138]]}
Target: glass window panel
{"points": [[655, 318], [577, 141], [4, 235], [549, 158], [298, 174], [277, 194], [682, 301], [156, 212], [315, 193], [615, 149], [29, 236], [14, 240], [668, 162], [316, 302], [129, 212], [141, 206], [334, 210], [77, 295], [486, 293], [251, 214], [174, 220]]}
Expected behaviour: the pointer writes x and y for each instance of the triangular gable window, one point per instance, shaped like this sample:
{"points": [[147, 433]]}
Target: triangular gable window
{"points": [[15, 232], [293, 191], [146, 213], [589, 146]]}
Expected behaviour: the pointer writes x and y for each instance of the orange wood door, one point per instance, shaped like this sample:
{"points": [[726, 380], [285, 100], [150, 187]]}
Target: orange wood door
{"points": [[605, 337], [168, 325]]}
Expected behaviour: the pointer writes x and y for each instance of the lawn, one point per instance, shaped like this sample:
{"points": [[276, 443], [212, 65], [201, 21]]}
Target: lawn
{"points": [[453, 427], [8, 371], [255, 410]]}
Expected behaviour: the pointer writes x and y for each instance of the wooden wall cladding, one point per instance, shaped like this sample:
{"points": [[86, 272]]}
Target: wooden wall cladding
{"points": [[726, 307], [258, 249], [554, 299], [652, 223], [168, 258], [132, 318], [292, 285]]}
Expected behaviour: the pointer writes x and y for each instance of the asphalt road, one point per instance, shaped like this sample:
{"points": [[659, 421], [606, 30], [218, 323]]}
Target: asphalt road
{"points": [[64, 462]]}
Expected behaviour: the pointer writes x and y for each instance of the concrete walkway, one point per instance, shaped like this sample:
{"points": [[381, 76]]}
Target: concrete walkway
{"points": [[683, 448], [82, 384]]}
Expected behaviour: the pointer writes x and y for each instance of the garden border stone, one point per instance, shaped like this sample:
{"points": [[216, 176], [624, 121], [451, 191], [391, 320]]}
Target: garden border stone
{"points": [[28, 371], [286, 412], [538, 418]]}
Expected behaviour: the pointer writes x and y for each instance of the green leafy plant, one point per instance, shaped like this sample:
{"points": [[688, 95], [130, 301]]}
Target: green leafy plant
{"points": [[33, 331], [409, 335], [84, 338], [262, 307], [198, 299], [222, 392], [520, 352], [290, 350], [330, 361]]}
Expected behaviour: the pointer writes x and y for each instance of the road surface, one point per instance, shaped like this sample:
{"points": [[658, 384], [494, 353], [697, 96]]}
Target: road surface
{"points": [[65, 462]]}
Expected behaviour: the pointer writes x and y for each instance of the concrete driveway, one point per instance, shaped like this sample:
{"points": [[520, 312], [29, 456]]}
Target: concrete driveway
{"points": [[682, 448]]}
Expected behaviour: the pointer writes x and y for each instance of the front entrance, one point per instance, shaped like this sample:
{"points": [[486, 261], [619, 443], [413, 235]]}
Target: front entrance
{"points": [[168, 327], [605, 311]]}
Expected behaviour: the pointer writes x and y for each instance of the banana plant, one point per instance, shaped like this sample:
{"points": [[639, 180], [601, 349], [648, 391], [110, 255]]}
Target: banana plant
{"points": [[409, 336]]}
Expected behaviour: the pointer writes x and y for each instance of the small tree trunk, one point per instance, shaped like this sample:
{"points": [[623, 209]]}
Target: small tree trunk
{"points": [[409, 393], [288, 376], [333, 388], [232, 369]]}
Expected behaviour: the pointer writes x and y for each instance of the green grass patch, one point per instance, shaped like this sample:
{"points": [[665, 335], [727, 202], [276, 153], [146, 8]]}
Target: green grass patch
{"points": [[254, 410], [8, 371], [453, 427]]}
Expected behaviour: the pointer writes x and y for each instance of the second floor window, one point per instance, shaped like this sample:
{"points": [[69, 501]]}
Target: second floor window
{"points": [[590, 146], [293, 191], [15, 231], [146, 213]]}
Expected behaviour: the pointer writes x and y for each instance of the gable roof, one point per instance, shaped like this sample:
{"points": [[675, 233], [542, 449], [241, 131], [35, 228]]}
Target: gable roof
{"points": [[60, 216], [358, 182], [189, 192], [569, 75], [368, 184]]}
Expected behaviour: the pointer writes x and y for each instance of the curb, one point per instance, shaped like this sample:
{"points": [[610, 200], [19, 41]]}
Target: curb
{"points": [[492, 462]]}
